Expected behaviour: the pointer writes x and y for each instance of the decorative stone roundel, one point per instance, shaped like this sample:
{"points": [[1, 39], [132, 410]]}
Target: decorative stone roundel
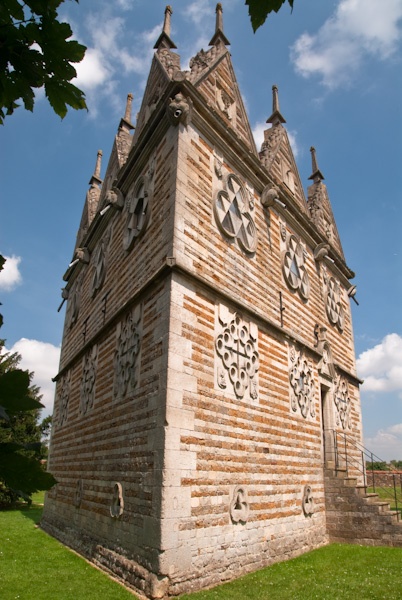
{"points": [[308, 501], [79, 493], [117, 506], [302, 383], [335, 311], [232, 214], [294, 268], [128, 341], [88, 378], [137, 203], [64, 396], [237, 350], [100, 262], [239, 506], [342, 402]]}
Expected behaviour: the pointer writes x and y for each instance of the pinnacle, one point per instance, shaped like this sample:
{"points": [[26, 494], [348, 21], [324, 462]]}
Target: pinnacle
{"points": [[219, 37], [276, 118], [316, 174], [164, 41], [95, 179]]}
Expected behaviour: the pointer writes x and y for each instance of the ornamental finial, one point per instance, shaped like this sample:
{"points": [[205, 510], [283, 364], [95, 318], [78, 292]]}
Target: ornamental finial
{"points": [[316, 174], [276, 117], [219, 37]]}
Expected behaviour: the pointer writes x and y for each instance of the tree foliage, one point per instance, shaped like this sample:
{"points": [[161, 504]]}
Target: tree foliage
{"points": [[36, 51], [21, 451], [260, 9]]}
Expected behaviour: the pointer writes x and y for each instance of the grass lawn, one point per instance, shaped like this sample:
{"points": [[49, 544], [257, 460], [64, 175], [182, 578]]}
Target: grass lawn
{"points": [[34, 566]]}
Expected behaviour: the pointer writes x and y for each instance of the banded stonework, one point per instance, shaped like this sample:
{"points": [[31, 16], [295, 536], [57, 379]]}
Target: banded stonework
{"points": [[207, 361]]}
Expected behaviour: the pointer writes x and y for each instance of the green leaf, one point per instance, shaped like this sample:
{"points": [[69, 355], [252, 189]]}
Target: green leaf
{"points": [[62, 93], [260, 9]]}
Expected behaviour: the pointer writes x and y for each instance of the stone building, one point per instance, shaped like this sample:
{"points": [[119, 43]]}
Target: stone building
{"points": [[208, 352]]}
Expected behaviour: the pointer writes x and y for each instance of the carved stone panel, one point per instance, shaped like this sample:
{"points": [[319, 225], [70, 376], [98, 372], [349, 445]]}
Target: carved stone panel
{"points": [[301, 378], [239, 505], [236, 355], [128, 343], [232, 211], [88, 379], [63, 399], [294, 268], [342, 402]]}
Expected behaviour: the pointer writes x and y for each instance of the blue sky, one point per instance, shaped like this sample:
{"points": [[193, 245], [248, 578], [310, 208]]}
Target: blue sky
{"points": [[338, 67]]}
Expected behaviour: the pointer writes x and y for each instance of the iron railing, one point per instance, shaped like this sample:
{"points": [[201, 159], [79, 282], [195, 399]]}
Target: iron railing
{"points": [[350, 455]]}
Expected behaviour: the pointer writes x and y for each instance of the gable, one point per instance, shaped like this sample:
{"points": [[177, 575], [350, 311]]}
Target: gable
{"points": [[213, 75]]}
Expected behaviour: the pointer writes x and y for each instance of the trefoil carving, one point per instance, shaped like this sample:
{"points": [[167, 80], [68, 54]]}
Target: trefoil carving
{"points": [[308, 501], [237, 355], [88, 379], [239, 505], [232, 211], [117, 505], [128, 343], [302, 384], [342, 403]]}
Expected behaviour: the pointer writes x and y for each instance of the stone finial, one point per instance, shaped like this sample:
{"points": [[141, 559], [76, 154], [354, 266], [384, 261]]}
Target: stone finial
{"points": [[166, 22], [219, 37], [95, 179], [316, 174], [127, 114], [276, 118], [164, 40]]}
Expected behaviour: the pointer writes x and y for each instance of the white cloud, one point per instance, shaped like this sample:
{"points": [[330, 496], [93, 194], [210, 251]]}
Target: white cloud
{"points": [[91, 71], [43, 359], [387, 443], [381, 366], [358, 29], [10, 276]]}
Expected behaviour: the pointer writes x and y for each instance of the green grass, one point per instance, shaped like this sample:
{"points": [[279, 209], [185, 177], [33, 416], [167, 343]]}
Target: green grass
{"points": [[34, 566], [335, 572]]}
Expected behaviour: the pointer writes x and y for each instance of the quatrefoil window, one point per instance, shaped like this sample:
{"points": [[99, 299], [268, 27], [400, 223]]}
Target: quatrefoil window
{"points": [[232, 213], [294, 268]]}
